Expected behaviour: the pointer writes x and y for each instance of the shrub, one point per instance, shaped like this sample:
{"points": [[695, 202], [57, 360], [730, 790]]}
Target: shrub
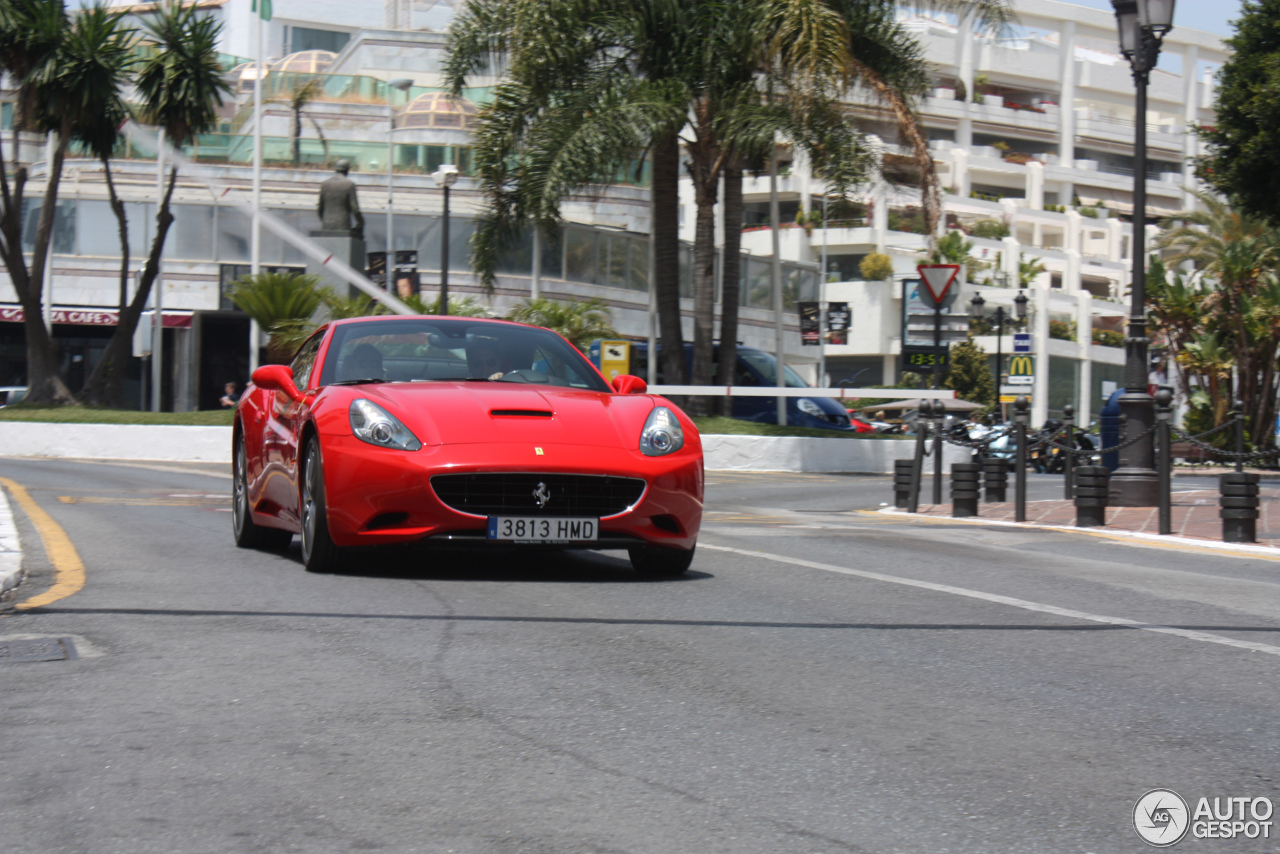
{"points": [[1108, 337], [1063, 330], [991, 229], [876, 267]]}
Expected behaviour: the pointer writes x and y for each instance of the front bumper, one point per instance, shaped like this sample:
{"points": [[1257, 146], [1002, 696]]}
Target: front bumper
{"points": [[378, 496]]}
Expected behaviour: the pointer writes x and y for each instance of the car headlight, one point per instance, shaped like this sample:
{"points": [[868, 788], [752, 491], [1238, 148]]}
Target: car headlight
{"points": [[662, 433], [373, 424], [808, 407]]}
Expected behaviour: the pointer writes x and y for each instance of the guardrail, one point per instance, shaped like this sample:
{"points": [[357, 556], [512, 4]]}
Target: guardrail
{"points": [[769, 391]]}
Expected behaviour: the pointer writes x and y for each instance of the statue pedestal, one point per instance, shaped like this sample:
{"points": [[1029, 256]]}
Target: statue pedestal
{"points": [[344, 246]]}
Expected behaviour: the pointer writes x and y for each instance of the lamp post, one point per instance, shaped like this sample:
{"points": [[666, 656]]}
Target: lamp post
{"points": [[403, 85], [977, 308], [445, 177], [1142, 25]]}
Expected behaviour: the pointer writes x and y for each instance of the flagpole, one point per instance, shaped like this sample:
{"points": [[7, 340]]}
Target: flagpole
{"points": [[255, 256]]}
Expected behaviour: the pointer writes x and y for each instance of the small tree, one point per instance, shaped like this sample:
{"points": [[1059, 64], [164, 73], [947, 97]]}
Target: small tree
{"points": [[283, 304], [969, 374], [876, 267], [579, 322]]}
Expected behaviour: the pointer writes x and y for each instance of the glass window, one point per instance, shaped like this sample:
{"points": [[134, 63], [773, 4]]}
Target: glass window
{"points": [[580, 255], [305, 360], [616, 265], [686, 272], [767, 366], [191, 235], [423, 350], [638, 271], [758, 293], [306, 38], [233, 235]]}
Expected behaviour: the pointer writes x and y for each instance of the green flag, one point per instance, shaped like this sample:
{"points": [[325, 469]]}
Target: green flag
{"points": [[263, 10]]}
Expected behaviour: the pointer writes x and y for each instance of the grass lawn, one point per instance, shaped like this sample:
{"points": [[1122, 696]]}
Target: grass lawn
{"points": [[223, 417], [91, 415]]}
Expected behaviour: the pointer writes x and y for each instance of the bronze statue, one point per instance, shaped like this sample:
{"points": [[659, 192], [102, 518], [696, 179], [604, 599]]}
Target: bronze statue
{"points": [[339, 207]]}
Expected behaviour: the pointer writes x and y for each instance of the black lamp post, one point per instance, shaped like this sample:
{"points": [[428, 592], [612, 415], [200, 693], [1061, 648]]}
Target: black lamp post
{"points": [[1142, 24], [445, 177], [977, 308]]}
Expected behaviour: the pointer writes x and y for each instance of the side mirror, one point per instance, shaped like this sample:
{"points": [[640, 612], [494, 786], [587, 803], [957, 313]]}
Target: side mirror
{"points": [[277, 378], [627, 384]]}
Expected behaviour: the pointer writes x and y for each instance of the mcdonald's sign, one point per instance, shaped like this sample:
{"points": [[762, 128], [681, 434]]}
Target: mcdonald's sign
{"points": [[1022, 370]]}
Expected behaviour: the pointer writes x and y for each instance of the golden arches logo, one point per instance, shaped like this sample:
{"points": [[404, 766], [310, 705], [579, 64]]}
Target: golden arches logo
{"points": [[1021, 366]]}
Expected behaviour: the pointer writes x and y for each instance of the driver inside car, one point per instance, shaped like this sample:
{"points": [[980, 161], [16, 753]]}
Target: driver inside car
{"points": [[484, 359]]}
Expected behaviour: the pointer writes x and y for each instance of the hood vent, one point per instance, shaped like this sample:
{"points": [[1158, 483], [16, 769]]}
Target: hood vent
{"points": [[522, 413]]}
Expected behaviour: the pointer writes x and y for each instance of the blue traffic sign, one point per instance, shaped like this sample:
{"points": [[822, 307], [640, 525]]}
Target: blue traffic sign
{"points": [[1022, 342]]}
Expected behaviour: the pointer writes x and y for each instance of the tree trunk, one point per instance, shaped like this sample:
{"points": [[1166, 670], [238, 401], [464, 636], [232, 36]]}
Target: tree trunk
{"points": [[105, 385], [297, 136], [706, 187], [44, 379], [731, 279], [666, 255]]}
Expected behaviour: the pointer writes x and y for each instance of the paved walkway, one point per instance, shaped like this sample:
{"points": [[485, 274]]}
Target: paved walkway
{"points": [[1195, 513]]}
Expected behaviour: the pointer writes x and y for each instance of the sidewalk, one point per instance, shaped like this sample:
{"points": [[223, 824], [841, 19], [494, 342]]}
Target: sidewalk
{"points": [[1195, 514]]}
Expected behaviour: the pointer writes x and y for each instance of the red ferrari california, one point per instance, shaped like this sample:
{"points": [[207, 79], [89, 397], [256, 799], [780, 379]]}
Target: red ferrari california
{"points": [[460, 431]]}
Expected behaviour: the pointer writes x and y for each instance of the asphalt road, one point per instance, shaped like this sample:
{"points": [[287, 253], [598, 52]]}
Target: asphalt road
{"points": [[825, 680]]}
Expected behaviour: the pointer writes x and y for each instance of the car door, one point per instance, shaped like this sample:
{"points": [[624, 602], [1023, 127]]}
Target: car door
{"points": [[284, 426]]}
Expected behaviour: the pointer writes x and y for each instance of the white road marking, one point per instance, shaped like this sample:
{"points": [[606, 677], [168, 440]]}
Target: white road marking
{"points": [[1189, 634]]}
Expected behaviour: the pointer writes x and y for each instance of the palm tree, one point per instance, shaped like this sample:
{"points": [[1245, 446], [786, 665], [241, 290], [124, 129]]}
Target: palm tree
{"points": [[180, 86], [283, 304], [579, 323], [31, 31], [297, 99]]}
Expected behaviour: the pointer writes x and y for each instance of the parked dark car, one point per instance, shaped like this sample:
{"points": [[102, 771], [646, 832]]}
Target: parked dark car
{"points": [[758, 368]]}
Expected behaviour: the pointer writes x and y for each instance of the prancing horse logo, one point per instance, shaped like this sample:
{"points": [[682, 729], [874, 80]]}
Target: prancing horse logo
{"points": [[542, 495]]}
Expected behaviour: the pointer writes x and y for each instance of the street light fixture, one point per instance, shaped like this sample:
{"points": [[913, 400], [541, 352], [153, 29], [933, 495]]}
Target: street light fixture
{"points": [[977, 308], [1141, 25], [403, 84], [446, 176]]}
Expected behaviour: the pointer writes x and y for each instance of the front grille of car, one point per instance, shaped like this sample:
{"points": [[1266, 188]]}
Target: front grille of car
{"points": [[494, 494]]}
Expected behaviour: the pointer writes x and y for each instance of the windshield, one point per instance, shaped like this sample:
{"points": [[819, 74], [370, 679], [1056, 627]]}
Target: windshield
{"points": [[431, 349], [767, 366]]}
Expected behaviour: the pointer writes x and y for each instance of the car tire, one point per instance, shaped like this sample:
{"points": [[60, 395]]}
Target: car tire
{"points": [[249, 534], [656, 562], [319, 554]]}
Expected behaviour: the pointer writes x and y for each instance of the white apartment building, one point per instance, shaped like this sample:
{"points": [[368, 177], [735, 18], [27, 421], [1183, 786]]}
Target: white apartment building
{"points": [[1054, 126]]}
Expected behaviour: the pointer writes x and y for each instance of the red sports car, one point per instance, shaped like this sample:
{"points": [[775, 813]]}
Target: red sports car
{"points": [[461, 431]]}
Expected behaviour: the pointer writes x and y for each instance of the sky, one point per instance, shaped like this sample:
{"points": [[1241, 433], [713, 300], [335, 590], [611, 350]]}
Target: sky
{"points": [[1212, 16]]}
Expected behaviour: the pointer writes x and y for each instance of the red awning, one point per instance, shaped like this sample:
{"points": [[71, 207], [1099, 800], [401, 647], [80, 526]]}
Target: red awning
{"points": [[92, 316]]}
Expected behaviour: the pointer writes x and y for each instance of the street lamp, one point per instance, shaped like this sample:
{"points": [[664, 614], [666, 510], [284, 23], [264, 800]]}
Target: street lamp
{"points": [[1141, 25], [445, 177], [403, 84], [977, 308]]}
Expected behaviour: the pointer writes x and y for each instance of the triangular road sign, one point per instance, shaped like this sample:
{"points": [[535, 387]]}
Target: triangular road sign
{"points": [[938, 278]]}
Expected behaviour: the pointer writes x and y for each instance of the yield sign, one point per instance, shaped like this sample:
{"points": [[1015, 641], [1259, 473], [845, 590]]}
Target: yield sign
{"points": [[938, 278]]}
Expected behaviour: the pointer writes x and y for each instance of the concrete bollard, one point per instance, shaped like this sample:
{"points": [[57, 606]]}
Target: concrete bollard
{"points": [[995, 476], [1238, 506], [902, 470], [1091, 495], [964, 489]]}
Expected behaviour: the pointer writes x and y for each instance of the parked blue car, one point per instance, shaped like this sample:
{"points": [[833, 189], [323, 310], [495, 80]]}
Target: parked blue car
{"points": [[758, 368]]}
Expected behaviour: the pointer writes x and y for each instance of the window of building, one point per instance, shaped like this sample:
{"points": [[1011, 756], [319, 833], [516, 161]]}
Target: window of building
{"points": [[306, 38]]}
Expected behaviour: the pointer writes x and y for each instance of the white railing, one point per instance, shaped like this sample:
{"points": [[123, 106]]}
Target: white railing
{"points": [[766, 391]]}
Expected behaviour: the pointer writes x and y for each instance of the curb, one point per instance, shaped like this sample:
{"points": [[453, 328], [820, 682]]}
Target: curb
{"points": [[1239, 549], [10, 548]]}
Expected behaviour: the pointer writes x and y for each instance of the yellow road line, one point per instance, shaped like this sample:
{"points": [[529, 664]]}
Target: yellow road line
{"points": [[143, 502], [68, 569]]}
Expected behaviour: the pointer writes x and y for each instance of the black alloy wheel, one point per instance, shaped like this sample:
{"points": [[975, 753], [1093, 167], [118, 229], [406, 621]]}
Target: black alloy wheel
{"points": [[319, 554], [249, 534]]}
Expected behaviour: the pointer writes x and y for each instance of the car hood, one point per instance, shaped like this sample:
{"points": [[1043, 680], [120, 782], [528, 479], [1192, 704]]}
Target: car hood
{"points": [[449, 413]]}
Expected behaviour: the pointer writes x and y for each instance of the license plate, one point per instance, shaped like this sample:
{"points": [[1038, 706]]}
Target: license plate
{"points": [[541, 529]]}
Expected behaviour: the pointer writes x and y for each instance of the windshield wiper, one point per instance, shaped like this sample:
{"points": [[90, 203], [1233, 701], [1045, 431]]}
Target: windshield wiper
{"points": [[360, 382]]}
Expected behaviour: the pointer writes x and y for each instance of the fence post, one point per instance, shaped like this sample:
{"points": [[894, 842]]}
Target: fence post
{"points": [[917, 468], [939, 419], [1239, 416], [1020, 475], [1069, 417], [1164, 460]]}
